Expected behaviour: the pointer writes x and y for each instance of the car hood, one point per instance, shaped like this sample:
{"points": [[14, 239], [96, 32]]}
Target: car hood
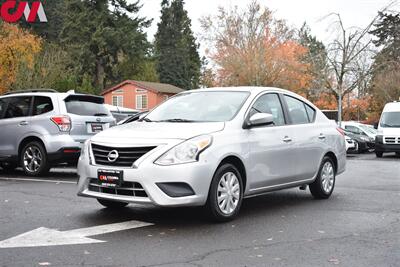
{"points": [[158, 130]]}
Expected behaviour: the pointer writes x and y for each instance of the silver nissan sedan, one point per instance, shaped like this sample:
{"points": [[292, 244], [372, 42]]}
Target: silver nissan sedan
{"points": [[214, 147]]}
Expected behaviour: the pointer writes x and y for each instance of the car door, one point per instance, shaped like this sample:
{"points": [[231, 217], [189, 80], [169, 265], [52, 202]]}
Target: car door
{"points": [[14, 124], [307, 151], [270, 160]]}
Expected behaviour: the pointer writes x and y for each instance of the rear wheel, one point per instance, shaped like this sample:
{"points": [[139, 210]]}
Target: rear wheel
{"points": [[34, 161], [324, 184], [378, 154], [112, 204], [398, 154], [226, 194]]}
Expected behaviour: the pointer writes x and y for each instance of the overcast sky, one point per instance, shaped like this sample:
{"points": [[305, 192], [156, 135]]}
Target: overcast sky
{"points": [[353, 12]]}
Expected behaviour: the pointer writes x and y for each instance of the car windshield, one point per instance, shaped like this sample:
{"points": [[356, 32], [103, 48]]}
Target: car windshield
{"points": [[213, 106], [390, 119]]}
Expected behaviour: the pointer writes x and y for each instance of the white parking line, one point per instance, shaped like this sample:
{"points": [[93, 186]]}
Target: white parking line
{"points": [[37, 180]]}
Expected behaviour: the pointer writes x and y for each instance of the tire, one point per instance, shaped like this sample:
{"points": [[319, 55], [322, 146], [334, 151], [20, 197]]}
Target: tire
{"points": [[112, 204], [226, 208], [8, 166], [39, 164], [398, 154], [378, 154], [324, 184]]}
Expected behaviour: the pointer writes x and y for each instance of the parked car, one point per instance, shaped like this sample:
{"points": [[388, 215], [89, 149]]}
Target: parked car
{"points": [[214, 147], [360, 141], [388, 138], [351, 145], [40, 128], [364, 132]]}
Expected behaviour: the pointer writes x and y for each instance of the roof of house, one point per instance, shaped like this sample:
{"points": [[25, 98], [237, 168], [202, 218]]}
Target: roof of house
{"points": [[151, 86]]}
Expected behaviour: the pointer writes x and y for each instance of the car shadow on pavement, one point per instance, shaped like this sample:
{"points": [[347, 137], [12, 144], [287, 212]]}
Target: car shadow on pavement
{"points": [[56, 173], [257, 208]]}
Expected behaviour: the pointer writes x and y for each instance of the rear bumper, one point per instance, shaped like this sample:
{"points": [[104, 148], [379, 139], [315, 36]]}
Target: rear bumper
{"points": [[65, 155]]}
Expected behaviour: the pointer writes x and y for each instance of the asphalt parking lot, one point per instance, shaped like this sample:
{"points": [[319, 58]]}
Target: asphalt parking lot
{"points": [[44, 223]]}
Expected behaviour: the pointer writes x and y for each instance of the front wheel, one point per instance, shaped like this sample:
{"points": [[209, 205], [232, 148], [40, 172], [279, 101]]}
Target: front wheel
{"points": [[378, 154], [226, 194], [34, 161], [112, 204], [323, 185]]}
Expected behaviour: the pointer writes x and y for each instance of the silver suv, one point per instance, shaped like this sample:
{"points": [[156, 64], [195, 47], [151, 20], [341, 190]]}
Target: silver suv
{"points": [[214, 147], [40, 128]]}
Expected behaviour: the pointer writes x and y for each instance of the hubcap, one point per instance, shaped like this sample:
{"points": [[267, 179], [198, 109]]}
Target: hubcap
{"points": [[228, 193], [327, 177], [32, 159]]}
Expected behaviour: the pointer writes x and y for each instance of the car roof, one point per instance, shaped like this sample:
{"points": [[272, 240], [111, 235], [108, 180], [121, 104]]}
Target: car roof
{"points": [[250, 89]]}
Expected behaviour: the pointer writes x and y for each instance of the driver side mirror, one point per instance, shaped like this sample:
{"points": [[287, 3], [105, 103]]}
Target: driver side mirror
{"points": [[259, 119], [376, 125]]}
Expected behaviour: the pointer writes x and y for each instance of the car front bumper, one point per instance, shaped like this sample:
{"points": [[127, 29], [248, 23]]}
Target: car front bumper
{"points": [[196, 177], [379, 147]]}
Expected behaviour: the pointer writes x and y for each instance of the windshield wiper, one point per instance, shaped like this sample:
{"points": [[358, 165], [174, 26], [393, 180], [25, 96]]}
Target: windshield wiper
{"points": [[100, 114], [177, 120], [146, 120]]}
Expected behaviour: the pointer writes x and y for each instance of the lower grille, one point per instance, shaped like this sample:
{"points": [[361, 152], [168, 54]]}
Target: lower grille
{"points": [[392, 140], [131, 189], [126, 155]]}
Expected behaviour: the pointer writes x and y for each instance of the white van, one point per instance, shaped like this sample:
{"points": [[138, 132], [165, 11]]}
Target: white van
{"points": [[388, 138]]}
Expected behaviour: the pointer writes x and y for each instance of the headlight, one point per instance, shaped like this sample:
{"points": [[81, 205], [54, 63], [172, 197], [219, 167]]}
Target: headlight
{"points": [[85, 148], [185, 152], [364, 138]]}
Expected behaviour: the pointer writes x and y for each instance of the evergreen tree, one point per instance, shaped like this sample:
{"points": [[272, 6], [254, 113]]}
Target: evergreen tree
{"points": [[178, 61], [100, 34], [316, 57]]}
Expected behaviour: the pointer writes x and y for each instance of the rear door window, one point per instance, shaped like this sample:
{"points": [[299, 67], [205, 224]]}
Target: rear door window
{"points": [[42, 105], [297, 110], [86, 105], [18, 107]]}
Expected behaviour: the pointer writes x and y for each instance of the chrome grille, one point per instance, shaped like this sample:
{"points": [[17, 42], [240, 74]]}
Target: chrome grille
{"points": [[392, 140], [127, 155], [131, 189]]}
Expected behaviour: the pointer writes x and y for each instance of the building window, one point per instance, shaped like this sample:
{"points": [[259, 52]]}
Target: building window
{"points": [[141, 102], [118, 100]]}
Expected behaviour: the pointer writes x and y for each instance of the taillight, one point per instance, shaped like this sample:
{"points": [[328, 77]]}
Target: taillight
{"points": [[340, 130], [63, 123]]}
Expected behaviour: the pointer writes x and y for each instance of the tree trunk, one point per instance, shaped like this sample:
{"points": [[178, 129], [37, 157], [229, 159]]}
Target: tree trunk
{"points": [[99, 78]]}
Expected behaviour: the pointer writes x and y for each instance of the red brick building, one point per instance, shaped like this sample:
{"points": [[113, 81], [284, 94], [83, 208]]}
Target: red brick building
{"points": [[139, 95]]}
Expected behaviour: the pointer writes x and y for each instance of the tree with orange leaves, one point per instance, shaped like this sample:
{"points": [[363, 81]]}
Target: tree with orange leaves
{"points": [[17, 46], [251, 47]]}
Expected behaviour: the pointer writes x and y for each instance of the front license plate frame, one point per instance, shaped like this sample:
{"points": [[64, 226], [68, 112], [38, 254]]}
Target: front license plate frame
{"points": [[110, 178]]}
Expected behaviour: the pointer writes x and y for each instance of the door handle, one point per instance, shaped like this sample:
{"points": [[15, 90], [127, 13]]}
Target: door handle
{"points": [[23, 123], [287, 139], [321, 136]]}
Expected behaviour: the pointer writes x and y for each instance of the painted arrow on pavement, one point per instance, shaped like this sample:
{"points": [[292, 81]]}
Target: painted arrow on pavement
{"points": [[42, 236]]}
